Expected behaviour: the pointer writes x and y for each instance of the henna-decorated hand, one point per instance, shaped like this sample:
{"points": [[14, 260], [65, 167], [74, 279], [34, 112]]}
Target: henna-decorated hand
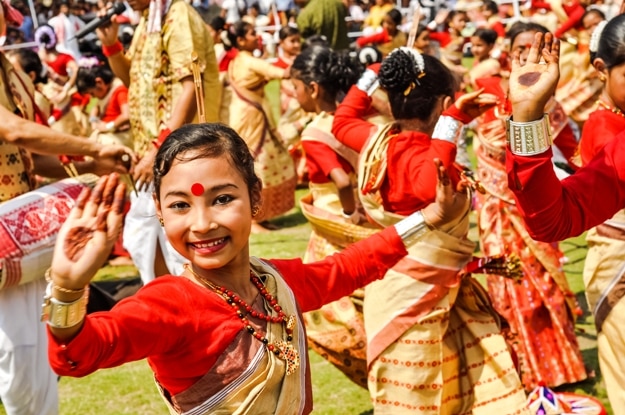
{"points": [[476, 103], [86, 238], [534, 83], [450, 203]]}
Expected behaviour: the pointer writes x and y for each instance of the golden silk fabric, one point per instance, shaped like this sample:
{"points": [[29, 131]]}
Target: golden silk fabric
{"points": [[264, 387], [250, 117], [159, 61], [16, 95], [434, 342]]}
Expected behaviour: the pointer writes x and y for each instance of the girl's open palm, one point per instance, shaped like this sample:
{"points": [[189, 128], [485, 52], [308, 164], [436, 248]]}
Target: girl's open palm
{"points": [[86, 238], [534, 83]]}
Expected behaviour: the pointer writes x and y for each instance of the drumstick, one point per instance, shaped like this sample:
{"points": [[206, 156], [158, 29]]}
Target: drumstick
{"points": [[412, 34], [68, 166], [199, 87]]}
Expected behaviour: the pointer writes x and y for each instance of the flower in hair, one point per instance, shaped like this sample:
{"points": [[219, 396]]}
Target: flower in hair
{"points": [[89, 62], [45, 36], [419, 66], [596, 36]]}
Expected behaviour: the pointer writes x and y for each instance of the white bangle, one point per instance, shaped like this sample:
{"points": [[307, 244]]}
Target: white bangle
{"points": [[412, 228], [448, 129], [110, 126], [368, 82], [529, 138]]}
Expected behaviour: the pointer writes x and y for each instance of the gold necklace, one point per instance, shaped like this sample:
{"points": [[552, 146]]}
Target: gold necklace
{"points": [[614, 110], [281, 348]]}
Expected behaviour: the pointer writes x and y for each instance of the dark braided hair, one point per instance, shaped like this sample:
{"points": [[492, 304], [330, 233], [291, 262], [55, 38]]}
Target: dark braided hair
{"points": [[334, 71], [399, 71]]}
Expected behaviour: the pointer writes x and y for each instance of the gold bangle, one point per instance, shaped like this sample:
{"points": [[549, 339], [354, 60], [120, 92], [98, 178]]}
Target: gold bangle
{"points": [[529, 138], [48, 277], [62, 315]]}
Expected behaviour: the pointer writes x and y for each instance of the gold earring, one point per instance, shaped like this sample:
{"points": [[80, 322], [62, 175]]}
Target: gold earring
{"points": [[602, 77], [255, 210], [162, 222]]}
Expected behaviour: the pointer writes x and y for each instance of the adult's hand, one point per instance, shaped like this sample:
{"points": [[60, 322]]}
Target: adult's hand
{"points": [[113, 158], [143, 173], [450, 202], [89, 233], [108, 33], [534, 83]]}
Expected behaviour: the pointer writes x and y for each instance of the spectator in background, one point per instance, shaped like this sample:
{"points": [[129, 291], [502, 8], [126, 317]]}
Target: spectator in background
{"points": [[324, 17], [373, 21], [490, 11], [390, 37], [65, 26]]}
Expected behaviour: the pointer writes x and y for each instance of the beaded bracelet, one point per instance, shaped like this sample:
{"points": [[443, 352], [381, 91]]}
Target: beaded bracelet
{"points": [[529, 138], [114, 49], [48, 277]]}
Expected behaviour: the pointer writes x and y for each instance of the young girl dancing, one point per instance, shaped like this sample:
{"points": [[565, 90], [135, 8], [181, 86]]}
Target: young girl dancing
{"points": [[434, 343], [227, 335], [336, 331], [606, 241], [250, 116]]}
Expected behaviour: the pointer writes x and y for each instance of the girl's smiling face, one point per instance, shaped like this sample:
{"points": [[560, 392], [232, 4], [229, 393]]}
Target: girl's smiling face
{"points": [[206, 208]]}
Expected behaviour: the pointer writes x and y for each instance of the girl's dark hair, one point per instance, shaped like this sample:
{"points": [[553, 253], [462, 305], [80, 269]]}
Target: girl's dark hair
{"points": [[592, 10], [87, 76], [491, 6], [451, 15], [521, 27], [235, 31], [30, 62], [217, 23], [399, 72], [209, 140], [612, 42], [315, 40], [333, 71], [287, 31], [395, 15], [487, 35]]}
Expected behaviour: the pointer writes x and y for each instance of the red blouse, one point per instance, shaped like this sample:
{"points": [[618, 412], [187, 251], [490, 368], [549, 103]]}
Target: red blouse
{"points": [[59, 65], [600, 128], [555, 210], [321, 160], [411, 176], [119, 98], [182, 328]]}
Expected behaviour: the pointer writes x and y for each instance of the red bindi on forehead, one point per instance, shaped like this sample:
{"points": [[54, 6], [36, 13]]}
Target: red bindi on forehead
{"points": [[197, 189]]}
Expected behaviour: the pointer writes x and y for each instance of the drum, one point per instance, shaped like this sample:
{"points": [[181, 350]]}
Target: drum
{"points": [[29, 225]]}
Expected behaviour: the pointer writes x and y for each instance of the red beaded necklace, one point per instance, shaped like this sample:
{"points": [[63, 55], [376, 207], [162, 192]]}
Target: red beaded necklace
{"points": [[282, 349]]}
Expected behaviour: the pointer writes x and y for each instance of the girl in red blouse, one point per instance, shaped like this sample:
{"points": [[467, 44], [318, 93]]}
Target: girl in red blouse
{"points": [[226, 336]]}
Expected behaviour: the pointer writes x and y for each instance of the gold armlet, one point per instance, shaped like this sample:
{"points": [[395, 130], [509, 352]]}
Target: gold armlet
{"points": [[61, 315], [529, 138]]}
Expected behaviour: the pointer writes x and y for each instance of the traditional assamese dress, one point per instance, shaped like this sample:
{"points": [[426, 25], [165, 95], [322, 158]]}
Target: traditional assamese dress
{"points": [[554, 210], [336, 331], [540, 308], [204, 360], [250, 117], [604, 274], [433, 340], [110, 107]]}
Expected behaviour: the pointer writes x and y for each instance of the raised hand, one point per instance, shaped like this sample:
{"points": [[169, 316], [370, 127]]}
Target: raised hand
{"points": [[450, 203], [534, 83], [86, 238], [108, 33], [476, 103]]}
